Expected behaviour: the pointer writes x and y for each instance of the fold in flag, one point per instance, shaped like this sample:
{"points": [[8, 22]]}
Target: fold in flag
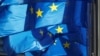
{"points": [[58, 29], [43, 36], [74, 48], [79, 35], [81, 14], [56, 49], [12, 2], [76, 13], [21, 43], [28, 54], [12, 19], [49, 13], [30, 41]]}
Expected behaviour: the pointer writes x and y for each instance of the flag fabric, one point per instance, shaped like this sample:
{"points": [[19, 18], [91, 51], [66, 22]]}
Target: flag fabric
{"points": [[32, 40], [16, 44], [48, 10], [56, 49], [58, 29], [28, 54], [17, 2], [74, 48], [12, 19], [6, 45], [45, 28], [76, 20], [13, 2], [79, 35], [7, 2]]}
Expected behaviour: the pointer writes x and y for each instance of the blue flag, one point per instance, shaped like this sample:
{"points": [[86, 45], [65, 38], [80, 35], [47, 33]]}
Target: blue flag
{"points": [[48, 13], [12, 19], [53, 28]]}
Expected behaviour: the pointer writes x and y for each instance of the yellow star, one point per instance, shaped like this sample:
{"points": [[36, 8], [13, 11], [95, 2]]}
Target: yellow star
{"points": [[39, 13], [53, 7], [41, 32], [66, 45], [31, 10], [59, 29], [50, 34]]}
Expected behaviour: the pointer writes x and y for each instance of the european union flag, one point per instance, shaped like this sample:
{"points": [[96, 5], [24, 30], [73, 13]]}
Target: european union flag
{"points": [[48, 13], [12, 19], [53, 28]]}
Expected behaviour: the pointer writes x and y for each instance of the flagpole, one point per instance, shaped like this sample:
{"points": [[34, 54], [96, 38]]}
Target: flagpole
{"points": [[98, 27], [94, 41]]}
